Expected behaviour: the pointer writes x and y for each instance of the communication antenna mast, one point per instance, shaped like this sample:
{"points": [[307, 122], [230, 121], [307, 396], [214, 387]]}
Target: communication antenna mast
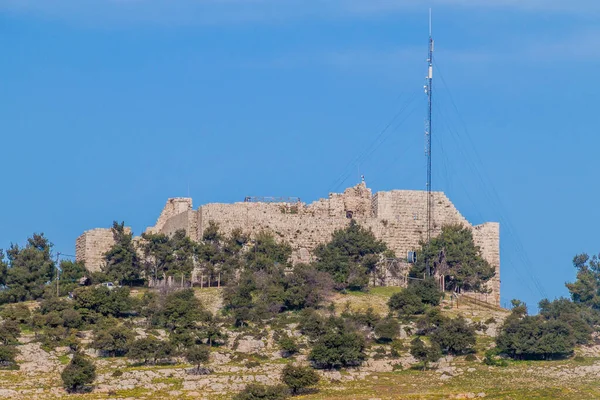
{"points": [[429, 92]]}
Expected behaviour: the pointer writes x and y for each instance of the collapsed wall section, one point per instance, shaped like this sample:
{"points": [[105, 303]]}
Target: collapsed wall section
{"points": [[185, 221], [174, 207]]}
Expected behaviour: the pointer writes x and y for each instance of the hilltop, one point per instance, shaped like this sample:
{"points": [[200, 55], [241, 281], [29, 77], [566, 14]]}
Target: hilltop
{"points": [[271, 329], [255, 357]]}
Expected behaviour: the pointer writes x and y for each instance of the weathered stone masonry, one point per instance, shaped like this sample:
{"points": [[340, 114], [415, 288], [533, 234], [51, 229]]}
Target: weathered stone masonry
{"points": [[397, 217]]}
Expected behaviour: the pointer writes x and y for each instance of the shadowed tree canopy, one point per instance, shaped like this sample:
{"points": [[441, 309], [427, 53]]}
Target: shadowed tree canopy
{"points": [[580, 318], [263, 294], [79, 373], [220, 256], [425, 354], [103, 301], [454, 254], [3, 269], [586, 288], [415, 298], [210, 249], [454, 336], [28, 270], [543, 336], [350, 256], [150, 349], [339, 345], [197, 355], [122, 263], [181, 311], [238, 299], [113, 342], [298, 377], [168, 256], [267, 253], [257, 391]]}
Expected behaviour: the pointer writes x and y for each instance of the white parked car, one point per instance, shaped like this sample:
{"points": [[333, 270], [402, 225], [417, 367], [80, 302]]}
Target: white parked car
{"points": [[109, 285]]}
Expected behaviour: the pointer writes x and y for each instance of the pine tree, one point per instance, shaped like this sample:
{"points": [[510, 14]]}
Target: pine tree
{"points": [[78, 374]]}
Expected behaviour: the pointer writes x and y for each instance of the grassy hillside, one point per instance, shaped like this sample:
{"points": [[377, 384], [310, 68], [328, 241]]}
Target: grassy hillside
{"points": [[253, 357]]}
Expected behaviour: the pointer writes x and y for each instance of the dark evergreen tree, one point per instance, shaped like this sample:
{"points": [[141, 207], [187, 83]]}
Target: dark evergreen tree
{"points": [[103, 301], [288, 345], [213, 333], [113, 342], [78, 374], [9, 332], [312, 324], [387, 329], [166, 256], [256, 391], [3, 270], [150, 349], [182, 311], [535, 337], [7, 356], [361, 319], [158, 255], [406, 303], [306, 287], [425, 354], [338, 347], [427, 290], [586, 289], [454, 336], [28, 271], [266, 253], [16, 312], [432, 319], [238, 299], [197, 355], [122, 262], [454, 254], [70, 276], [350, 257], [298, 378], [580, 318]]}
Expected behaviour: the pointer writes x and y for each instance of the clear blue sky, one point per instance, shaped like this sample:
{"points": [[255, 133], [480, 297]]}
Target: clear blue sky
{"points": [[107, 108]]}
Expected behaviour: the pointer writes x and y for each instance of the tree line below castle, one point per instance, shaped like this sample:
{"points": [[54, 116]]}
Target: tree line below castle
{"points": [[261, 288]]}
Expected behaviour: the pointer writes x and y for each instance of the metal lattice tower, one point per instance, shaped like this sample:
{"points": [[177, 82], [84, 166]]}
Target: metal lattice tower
{"points": [[428, 129]]}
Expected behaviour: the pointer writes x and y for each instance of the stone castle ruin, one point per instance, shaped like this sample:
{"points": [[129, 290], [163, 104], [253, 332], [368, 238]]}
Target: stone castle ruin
{"points": [[398, 217]]}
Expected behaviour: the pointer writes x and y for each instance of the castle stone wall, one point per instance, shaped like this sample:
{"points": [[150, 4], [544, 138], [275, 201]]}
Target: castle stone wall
{"points": [[487, 237], [397, 217], [302, 230], [91, 246]]}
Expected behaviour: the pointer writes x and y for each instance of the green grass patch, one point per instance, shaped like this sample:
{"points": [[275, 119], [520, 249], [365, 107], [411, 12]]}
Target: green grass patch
{"points": [[385, 291], [177, 383], [64, 359]]}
